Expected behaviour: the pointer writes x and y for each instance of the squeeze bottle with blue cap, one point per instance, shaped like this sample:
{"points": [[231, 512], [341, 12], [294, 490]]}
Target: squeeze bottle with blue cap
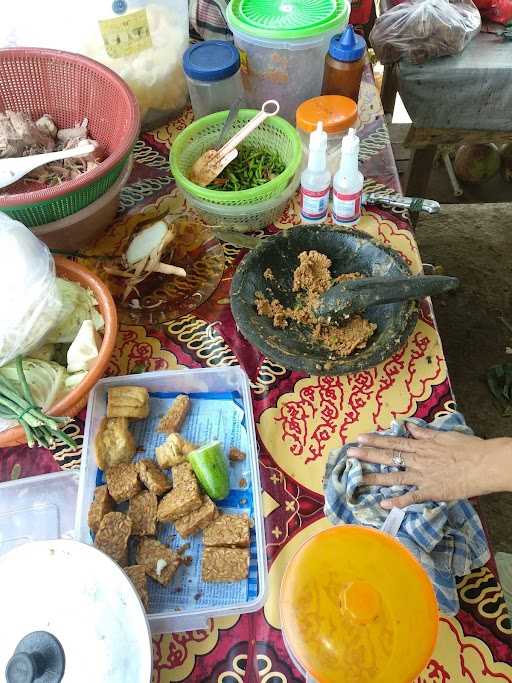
{"points": [[348, 183], [344, 64], [315, 180]]}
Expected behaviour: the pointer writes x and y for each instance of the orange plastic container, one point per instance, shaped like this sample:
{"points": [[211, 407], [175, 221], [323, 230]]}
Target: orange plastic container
{"points": [[73, 402], [357, 607], [337, 114]]}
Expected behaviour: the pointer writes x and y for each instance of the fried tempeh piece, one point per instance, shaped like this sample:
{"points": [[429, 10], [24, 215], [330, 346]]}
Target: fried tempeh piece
{"points": [[236, 455], [228, 530], [101, 505], [183, 474], [142, 512], [179, 502], [152, 477], [112, 537], [175, 416], [123, 482], [159, 561], [137, 575], [225, 564], [173, 451], [113, 443], [195, 521], [130, 402]]}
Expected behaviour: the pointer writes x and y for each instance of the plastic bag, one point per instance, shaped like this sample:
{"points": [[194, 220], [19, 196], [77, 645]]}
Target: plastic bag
{"points": [[419, 31], [141, 40], [29, 299], [499, 11]]}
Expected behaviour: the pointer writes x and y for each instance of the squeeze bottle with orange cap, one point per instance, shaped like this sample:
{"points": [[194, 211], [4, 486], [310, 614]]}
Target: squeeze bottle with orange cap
{"points": [[348, 183], [315, 179]]}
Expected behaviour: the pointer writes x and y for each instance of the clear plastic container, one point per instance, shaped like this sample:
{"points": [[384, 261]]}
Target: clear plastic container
{"points": [[202, 382], [212, 70], [283, 47], [40, 508]]}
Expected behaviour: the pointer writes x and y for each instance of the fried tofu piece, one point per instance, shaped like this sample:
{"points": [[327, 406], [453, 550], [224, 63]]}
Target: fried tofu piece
{"points": [[236, 455], [225, 564], [101, 505], [228, 530], [175, 416], [137, 575], [142, 512], [123, 482], [179, 502], [195, 521], [113, 443], [112, 537], [173, 451], [130, 402], [183, 474], [152, 477], [159, 561]]}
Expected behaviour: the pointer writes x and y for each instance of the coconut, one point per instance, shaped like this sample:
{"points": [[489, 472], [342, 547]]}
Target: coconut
{"points": [[476, 164], [506, 162]]}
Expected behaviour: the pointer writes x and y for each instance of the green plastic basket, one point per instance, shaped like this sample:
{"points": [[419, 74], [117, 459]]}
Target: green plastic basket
{"points": [[40, 213], [273, 135]]}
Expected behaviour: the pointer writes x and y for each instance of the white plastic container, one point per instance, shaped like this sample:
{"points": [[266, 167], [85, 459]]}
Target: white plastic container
{"points": [[348, 183], [283, 47], [189, 381], [315, 181], [212, 70]]}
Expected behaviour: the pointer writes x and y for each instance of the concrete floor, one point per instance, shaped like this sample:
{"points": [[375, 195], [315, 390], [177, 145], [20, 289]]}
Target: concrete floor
{"points": [[472, 239]]}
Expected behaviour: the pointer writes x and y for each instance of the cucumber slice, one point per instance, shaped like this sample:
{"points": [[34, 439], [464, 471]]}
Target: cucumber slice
{"points": [[211, 469]]}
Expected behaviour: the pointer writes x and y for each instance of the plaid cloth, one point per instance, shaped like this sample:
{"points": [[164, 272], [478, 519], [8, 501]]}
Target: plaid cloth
{"points": [[446, 538], [207, 18]]}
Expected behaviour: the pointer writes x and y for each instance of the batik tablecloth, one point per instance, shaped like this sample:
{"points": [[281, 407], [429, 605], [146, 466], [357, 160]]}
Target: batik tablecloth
{"points": [[299, 419]]}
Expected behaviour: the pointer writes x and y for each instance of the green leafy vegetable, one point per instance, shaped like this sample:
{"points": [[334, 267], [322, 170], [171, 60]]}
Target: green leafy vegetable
{"points": [[251, 168], [78, 304]]}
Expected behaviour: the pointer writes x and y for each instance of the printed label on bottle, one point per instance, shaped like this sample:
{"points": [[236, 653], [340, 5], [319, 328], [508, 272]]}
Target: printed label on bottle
{"points": [[126, 35], [314, 203], [346, 208]]}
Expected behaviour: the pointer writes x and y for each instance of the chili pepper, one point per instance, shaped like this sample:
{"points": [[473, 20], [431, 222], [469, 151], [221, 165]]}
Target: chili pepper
{"points": [[251, 168]]}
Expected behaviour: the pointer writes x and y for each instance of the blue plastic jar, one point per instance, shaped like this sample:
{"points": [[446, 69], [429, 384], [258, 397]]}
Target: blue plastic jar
{"points": [[212, 70]]}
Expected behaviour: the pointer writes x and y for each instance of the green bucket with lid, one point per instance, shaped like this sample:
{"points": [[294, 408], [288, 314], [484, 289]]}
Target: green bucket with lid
{"points": [[282, 46], [287, 19]]}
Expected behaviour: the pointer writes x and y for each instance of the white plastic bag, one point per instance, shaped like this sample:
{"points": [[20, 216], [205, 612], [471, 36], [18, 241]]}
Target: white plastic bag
{"points": [[421, 30], [29, 300], [141, 40]]}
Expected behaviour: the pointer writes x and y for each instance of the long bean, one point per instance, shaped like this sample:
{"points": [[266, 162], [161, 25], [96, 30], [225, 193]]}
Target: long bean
{"points": [[39, 428]]}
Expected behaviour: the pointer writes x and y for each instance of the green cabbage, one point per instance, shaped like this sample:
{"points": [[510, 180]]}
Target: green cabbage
{"points": [[78, 304]]}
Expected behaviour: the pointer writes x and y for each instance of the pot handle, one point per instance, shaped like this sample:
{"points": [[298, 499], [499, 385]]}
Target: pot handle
{"points": [[38, 656]]}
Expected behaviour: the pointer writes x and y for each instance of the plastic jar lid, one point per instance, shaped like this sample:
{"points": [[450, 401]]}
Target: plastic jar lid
{"points": [[347, 46], [357, 606], [213, 60], [286, 19], [337, 113]]}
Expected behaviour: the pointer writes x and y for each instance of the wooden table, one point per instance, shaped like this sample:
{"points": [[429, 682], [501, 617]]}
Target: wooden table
{"points": [[299, 419]]}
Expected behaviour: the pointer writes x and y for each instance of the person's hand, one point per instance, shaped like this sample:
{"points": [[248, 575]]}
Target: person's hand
{"points": [[442, 465]]}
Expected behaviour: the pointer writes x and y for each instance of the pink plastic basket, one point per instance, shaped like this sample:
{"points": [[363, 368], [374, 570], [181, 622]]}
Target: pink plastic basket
{"points": [[69, 87]]}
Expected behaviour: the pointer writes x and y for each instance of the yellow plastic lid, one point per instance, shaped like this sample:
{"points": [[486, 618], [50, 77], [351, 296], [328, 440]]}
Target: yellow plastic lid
{"points": [[337, 113], [357, 607]]}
